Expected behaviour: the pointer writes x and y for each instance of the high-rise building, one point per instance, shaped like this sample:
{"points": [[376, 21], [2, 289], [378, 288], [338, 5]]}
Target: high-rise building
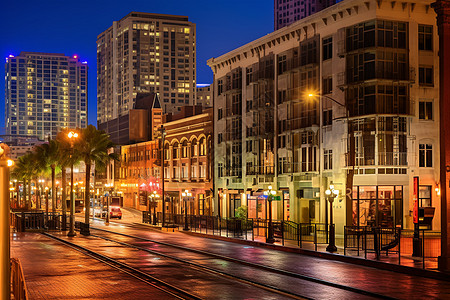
{"points": [[287, 12], [44, 92], [145, 53], [349, 98], [204, 95]]}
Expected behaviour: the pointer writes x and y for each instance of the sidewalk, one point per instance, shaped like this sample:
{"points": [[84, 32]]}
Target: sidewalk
{"points": [[408, 264], [54, 271]]}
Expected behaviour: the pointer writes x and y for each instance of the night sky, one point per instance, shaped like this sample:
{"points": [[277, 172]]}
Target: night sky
{"points": [[71, 27]]}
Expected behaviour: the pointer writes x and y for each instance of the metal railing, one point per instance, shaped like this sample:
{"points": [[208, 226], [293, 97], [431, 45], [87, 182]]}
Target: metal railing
{"points": [[32, 221], [374, 240], [247, 229], [18, 284]]}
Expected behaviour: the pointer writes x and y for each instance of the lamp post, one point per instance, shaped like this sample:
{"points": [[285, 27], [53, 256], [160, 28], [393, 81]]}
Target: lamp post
{"points": [[107, 185], [72, 135], [56, 194], [331, 193], [350, 158], [270, 194], [154, 196], [186, 195]]}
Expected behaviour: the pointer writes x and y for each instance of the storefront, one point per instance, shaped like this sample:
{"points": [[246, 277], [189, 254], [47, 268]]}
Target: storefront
{"points": [[378, 206]]}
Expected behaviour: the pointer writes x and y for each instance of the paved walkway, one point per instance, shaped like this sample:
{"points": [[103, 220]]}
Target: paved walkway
{"points": [[131, 215], [54, 271]]}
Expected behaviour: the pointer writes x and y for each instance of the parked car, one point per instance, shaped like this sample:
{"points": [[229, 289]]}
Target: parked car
{"points": [[115, 212], [97, 210]]}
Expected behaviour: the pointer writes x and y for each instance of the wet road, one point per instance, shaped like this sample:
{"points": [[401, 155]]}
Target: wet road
{"points": [[387, 283]]}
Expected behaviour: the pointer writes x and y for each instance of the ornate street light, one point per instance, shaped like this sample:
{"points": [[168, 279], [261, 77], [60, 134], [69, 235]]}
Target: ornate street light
{"points": [[331, 194], [154, 196], [72, 135], [186, 195], [270, 196]]}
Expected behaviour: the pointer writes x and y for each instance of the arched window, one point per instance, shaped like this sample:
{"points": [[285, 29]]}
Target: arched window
{"points": [[184, 149], [166, 152], [202, 145], [194, 148], [175, 151]]}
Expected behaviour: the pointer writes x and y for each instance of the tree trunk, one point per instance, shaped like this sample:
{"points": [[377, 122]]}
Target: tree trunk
{"points": [[87, 202], [36, 192], [24, 193], [64, 189], [29, 192], [53, 189]]}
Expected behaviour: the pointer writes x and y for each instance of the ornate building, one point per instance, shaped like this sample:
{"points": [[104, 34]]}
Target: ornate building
{"points": [[187, 164], [346, 97]]}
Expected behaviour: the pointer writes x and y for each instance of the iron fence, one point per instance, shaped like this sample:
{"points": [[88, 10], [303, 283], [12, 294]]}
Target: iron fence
{"points": [[29, 221], [374, 240]]}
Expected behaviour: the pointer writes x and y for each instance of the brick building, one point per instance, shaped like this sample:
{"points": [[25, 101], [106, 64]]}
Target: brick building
{"points": [[187, 164]]}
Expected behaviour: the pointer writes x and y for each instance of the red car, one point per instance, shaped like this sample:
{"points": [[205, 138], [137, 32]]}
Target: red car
{"points": [[115, 213]]}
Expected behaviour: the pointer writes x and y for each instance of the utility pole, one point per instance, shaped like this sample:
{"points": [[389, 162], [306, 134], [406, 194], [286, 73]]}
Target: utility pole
{"points": [[5, 272], [442, 8], [163, 134]]}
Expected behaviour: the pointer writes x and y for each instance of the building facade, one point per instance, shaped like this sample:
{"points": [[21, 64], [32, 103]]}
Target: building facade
{"points": [[44, 93], [145, 53], [287, 12], [346, 97], [204, 95], [187, 165]]}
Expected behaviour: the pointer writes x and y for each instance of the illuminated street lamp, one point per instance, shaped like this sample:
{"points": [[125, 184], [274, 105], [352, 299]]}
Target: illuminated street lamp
{"points": [[154, 196], [270, 196], [72, 135], [351, 150], [186, 195], [331, 193], [56, 194]]}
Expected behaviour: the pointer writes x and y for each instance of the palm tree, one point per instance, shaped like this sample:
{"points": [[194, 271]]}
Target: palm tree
{"points": [[65, 159], [49, 155], [93, 148], [26, 169]]}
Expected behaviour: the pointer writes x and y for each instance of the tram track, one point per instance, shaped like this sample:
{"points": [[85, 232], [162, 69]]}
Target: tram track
{"points": [[142, 276], [237, 261]]}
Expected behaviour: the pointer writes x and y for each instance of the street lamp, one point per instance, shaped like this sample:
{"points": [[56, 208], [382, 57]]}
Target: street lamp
{"points": [[72, 135], [331, 193], [154, 197], [270, 195], [186, 195], [56, 194], [350, 156], [107, 185]]}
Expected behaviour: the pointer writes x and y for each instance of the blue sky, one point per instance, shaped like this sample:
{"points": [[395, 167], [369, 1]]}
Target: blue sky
{"points": [[71, 27]]}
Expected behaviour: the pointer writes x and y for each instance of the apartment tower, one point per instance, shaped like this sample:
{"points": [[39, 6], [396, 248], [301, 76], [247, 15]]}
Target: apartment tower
{"points": [[145, 53], [287, 12], [44, 92]]}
